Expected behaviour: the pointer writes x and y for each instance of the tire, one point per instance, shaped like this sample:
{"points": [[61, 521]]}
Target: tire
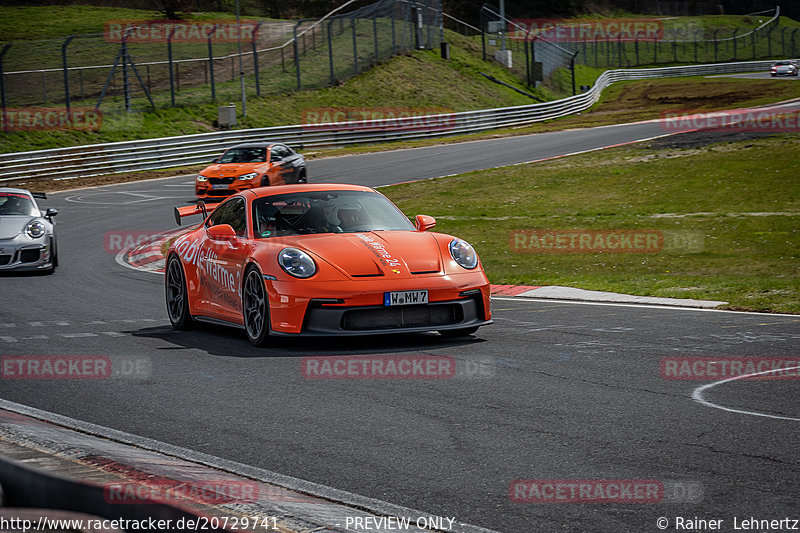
{"points": [[463, 332], [255, 307], [302, 178], [176, 295]]}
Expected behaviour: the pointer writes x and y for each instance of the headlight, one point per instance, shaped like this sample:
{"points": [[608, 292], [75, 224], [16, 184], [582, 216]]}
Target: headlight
{"points": [[248, 176], [297, 263], [35, 229], [463, 253], [200, 177]]}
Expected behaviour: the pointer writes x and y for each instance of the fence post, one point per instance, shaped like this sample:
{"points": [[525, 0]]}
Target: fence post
{"points": [[375, 35], [355, 46], [695, 46], [66, 71], [753, 39], [735, 44], [572, 68], [716, 46], [783, 41], [675, 45], [330, 52], [636, 47], [296, 54], [394, 37], [794, 32], [255, 58], [483, 35], [211, 63], [169, 61], [44, 86], [619, 55], [3, 96], [769, 41]]}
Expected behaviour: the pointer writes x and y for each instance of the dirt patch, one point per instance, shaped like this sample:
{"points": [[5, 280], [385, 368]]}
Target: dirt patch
{"points": [[696, 139]]}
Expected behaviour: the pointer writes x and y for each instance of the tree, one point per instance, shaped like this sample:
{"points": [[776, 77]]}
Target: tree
{"points": [[174, 9]]}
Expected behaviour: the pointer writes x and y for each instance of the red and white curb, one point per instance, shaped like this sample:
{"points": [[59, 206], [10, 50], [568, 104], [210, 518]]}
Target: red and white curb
{"points": [[149, 256]]}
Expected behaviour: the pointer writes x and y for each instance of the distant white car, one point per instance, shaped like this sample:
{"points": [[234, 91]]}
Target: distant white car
{"points": [[27, 234], [783, 68]]}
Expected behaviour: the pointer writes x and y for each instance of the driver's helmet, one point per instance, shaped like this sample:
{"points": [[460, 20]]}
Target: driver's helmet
{"points": [[349, 212]]}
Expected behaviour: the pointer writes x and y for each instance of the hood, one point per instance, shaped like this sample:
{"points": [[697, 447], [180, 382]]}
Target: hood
{"points": [[13, 225], [232, 169], [377, 253]]}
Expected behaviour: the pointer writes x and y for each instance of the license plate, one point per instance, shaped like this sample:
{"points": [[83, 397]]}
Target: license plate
{"points": [[219, 186], [405, 297]]}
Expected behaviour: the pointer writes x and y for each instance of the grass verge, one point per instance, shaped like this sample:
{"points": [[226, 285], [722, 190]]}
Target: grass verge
{"points": [[729, 213]]}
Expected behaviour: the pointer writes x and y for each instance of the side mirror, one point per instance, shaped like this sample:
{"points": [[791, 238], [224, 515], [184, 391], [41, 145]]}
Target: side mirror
{"points": [[424, 222], [51, 212], [222, 232]]}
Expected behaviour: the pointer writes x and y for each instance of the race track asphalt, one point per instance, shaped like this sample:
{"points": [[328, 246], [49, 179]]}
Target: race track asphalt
{"points": [[551, 391]]}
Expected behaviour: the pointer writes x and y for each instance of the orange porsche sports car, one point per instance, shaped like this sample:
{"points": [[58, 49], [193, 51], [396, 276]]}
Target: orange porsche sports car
{"points": [[323, 259], [247, 166]]}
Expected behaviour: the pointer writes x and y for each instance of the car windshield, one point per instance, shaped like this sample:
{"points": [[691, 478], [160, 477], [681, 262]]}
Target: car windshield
{"points": [[244, 155], [326, 212], [12, 203]]}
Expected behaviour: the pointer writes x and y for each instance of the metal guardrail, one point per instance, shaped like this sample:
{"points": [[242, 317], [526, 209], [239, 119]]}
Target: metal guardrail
{"points": [[167, 152]]}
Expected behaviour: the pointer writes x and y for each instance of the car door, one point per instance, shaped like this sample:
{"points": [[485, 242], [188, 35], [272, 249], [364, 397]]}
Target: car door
{"points": [[220, 267], [281, 171], [297, 162]]}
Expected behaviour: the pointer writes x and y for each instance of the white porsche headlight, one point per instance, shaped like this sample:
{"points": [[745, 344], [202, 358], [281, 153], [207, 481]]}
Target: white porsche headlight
{"points": [[463, 253], [35, 229], [297, 263], [248, 176]]}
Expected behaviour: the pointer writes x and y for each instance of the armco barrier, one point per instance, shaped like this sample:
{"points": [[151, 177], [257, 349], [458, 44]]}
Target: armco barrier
{"points": [[167, 152], [29, 487]]}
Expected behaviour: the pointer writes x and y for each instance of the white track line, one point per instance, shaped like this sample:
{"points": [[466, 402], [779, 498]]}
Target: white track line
{"points": [[697, 395]]}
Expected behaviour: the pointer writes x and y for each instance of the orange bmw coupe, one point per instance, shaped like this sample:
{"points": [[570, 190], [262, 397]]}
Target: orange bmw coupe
{"points": [[325, 259], [247, 166]]}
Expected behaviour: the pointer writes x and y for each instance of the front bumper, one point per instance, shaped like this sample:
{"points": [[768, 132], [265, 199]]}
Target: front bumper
{"points": [[16, 256], [205, 189], [455, 302]]}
